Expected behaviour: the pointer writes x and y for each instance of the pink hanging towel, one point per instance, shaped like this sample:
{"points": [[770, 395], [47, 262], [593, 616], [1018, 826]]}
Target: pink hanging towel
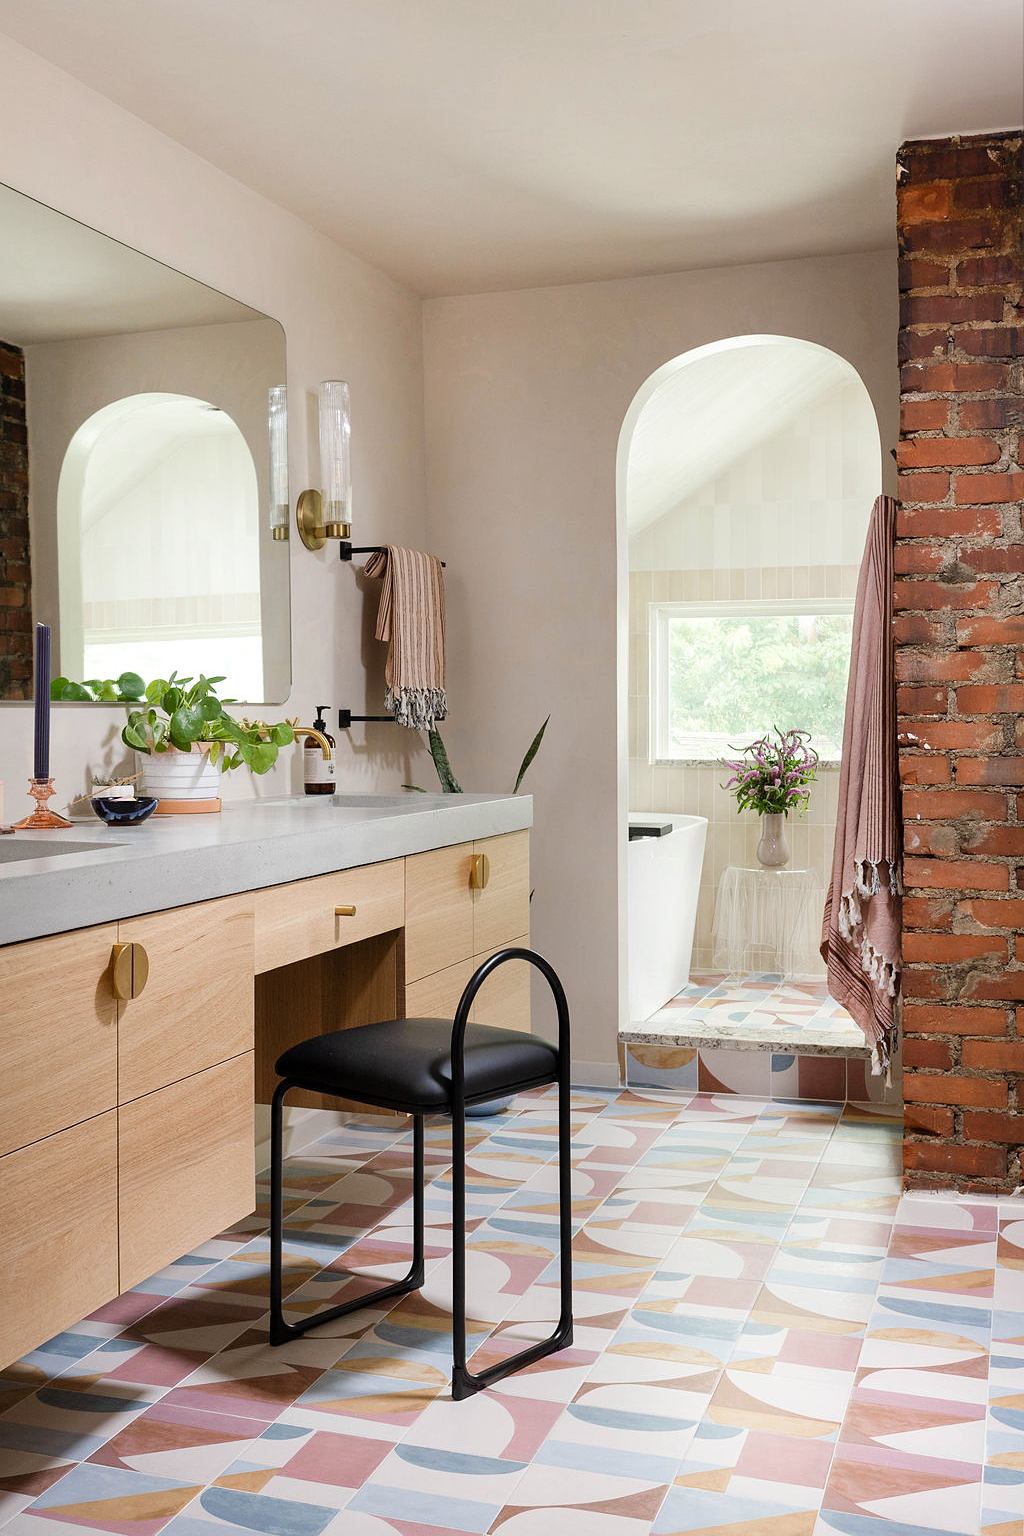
{"points": [[861, 931]]}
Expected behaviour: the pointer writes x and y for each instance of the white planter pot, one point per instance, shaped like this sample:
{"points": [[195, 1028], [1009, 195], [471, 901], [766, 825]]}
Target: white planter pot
{"points": [[181, 780]]}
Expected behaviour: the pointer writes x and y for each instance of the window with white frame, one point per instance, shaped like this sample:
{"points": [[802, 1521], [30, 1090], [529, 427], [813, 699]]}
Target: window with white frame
{"points": [[725, 673]]}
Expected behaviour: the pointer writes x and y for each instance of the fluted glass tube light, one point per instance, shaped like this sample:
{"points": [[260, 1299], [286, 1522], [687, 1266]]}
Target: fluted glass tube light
{"points": [[278, 418], [327, 514]]}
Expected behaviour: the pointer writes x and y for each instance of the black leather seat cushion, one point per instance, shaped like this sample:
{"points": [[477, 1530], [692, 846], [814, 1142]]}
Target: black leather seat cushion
{"points": [[405, 1064]]}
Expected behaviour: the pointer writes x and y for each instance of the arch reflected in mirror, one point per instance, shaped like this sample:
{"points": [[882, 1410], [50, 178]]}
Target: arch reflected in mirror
{"points": [[159, 532]]}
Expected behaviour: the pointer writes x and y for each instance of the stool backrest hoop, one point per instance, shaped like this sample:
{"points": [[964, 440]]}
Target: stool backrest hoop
{"points": [[468, 998]]}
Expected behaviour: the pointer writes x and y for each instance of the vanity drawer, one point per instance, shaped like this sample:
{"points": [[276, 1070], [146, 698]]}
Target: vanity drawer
{"points": [[196, 1007], [185, 1166], [438, 910], [503, 1000], [59, 1199], [298, 920], [58, 1044]]}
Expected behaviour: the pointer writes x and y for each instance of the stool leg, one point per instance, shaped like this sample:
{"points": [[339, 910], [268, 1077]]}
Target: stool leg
{"points": [[464, 1383], [281, 1331]]}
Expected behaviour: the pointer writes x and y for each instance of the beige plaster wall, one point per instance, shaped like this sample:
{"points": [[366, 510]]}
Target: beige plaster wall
{"points": [[78, 152], [526, 396]]}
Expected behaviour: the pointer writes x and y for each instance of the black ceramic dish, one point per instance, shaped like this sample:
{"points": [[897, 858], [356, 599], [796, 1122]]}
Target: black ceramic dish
{"points": [[124, 813]]}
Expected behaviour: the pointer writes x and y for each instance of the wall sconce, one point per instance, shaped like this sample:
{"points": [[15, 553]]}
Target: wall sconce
{"points": [[327, 515], [277, 414]]}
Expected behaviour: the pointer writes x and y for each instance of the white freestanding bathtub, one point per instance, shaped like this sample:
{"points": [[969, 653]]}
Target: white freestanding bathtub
{"points": [[664, 881]]}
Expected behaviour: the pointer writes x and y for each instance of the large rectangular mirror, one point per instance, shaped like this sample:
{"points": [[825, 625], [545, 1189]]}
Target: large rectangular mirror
{"points": [[135, 481]]}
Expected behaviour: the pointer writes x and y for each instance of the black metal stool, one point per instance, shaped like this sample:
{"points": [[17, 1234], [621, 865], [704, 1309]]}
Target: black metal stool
{"points": [[434, 1066]]}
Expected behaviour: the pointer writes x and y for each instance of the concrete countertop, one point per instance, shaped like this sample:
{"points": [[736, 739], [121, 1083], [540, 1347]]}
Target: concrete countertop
{"points": [[173, 860]]}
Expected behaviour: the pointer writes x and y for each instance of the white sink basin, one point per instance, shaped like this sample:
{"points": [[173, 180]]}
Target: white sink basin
{"points": [[12, 849]]}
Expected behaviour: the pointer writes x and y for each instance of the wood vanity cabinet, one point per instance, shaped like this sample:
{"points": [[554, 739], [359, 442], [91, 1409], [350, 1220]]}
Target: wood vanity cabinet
{"points": [[127, 1075]]}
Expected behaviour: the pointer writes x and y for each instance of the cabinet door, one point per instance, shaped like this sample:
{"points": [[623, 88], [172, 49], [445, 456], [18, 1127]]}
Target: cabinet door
{"points": [[501, 911], [58, 1035], [197, 1006], [59, 1203], [297, 920], [503, 1000], [438, 910], [185, 1166]]}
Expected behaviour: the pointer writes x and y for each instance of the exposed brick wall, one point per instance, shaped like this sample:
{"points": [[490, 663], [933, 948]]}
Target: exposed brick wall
{"points": [[960, 658], [15, 563]]}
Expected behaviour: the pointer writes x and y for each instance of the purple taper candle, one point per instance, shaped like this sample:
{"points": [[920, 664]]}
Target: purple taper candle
{"points": [[41, 767]]}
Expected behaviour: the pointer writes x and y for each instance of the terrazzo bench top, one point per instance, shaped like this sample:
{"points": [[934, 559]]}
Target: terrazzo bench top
{"points": [[176, 860]]}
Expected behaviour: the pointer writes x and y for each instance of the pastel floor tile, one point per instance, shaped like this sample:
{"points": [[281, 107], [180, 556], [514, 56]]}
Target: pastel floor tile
{"points": [[108, 1499], [687, 1509]]}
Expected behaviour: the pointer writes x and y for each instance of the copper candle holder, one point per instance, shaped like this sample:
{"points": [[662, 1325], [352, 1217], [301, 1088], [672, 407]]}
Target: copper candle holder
{"points": [[42, 817]]}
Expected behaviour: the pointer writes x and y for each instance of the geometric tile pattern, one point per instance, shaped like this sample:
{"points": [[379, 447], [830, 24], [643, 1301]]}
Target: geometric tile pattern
{"points": [[769, 1342], [757, 1035]]}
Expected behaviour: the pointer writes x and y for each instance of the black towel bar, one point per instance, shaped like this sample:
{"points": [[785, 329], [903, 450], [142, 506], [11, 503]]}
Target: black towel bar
{"points": [[346, 550]]}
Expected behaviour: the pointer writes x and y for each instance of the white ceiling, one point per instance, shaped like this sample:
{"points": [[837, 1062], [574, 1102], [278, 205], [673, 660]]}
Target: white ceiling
{"points": [[720, 403], [470, 145]]}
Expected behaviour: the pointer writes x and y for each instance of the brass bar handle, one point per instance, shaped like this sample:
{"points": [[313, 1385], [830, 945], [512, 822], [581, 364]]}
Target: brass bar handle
{"points": [[344, 911], [129, 970], [479, 872]]}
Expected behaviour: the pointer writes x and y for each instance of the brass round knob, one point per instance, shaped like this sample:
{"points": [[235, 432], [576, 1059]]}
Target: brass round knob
{"points": [[129, 970]]}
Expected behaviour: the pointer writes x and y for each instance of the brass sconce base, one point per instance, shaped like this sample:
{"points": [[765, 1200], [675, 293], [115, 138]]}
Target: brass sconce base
{"points": [[313, 531]]}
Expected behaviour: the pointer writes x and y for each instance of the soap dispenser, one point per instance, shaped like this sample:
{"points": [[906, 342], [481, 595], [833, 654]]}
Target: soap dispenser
{"points": [[318, 771]]}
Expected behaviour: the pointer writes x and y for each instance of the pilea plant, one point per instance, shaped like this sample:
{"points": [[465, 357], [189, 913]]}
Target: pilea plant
{"points": [[180, 712]]}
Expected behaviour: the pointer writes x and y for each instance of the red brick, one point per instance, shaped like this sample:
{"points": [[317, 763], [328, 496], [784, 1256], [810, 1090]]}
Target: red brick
{"points": [[990, 770], [996, 914], [1004, 840], [923, 274], [922, 701], [923, 981], [1006, 987], [924, 204], [950, 948], [960, 235], [927, 378], [956, 735], [925, 160], [953, 667], [929, 595], [971, 377], [940, 309], [942, 1157], [1008, 630], [921, 345], [923, 415], [1018, 943], [918, 629], [930, 1119], [985, 272], [927, 911], [927, 1053], [927, 452], [923, 769], [951, 804], [948, 1019], [926, 488], [982, 490], [991, 699], [1001, 560], [979, 1126], [986, 192], [962, 875], [993, 1055], [940, 1088], [921, 559], [992, 341], [991, 415], [933, 839]]}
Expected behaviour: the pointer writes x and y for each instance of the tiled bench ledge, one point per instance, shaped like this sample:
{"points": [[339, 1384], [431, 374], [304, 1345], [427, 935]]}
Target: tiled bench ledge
{"points": [[756, 1070]]}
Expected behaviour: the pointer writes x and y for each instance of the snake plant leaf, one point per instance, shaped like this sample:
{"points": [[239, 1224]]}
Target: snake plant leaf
{"points": [[449, 783], [531, 753]]}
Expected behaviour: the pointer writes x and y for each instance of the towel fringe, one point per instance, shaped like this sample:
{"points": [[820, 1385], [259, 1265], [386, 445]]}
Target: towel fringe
{"points": [[417, 708]]}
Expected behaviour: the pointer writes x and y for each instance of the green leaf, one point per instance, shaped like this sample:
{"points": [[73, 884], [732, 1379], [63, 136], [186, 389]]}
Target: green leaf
{"points": [[184, 727], [57, 687], [530, 755], [107, 691], [131, 685], [260, 755], [133, 737], [156, 689], [76, 693], [172, 700], [282, 735], [209, 709], [416, 788], [449, 783]]}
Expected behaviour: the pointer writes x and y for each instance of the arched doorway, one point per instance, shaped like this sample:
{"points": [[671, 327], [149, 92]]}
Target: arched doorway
{"points": [[746, 473]]}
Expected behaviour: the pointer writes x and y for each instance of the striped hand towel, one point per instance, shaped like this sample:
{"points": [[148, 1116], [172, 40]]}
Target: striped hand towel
{"points": [[411, 617], [862, 928]]}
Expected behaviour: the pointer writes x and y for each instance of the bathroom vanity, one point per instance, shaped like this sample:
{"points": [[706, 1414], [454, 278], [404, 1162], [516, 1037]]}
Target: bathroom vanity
{"points": [[150, 978]]}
